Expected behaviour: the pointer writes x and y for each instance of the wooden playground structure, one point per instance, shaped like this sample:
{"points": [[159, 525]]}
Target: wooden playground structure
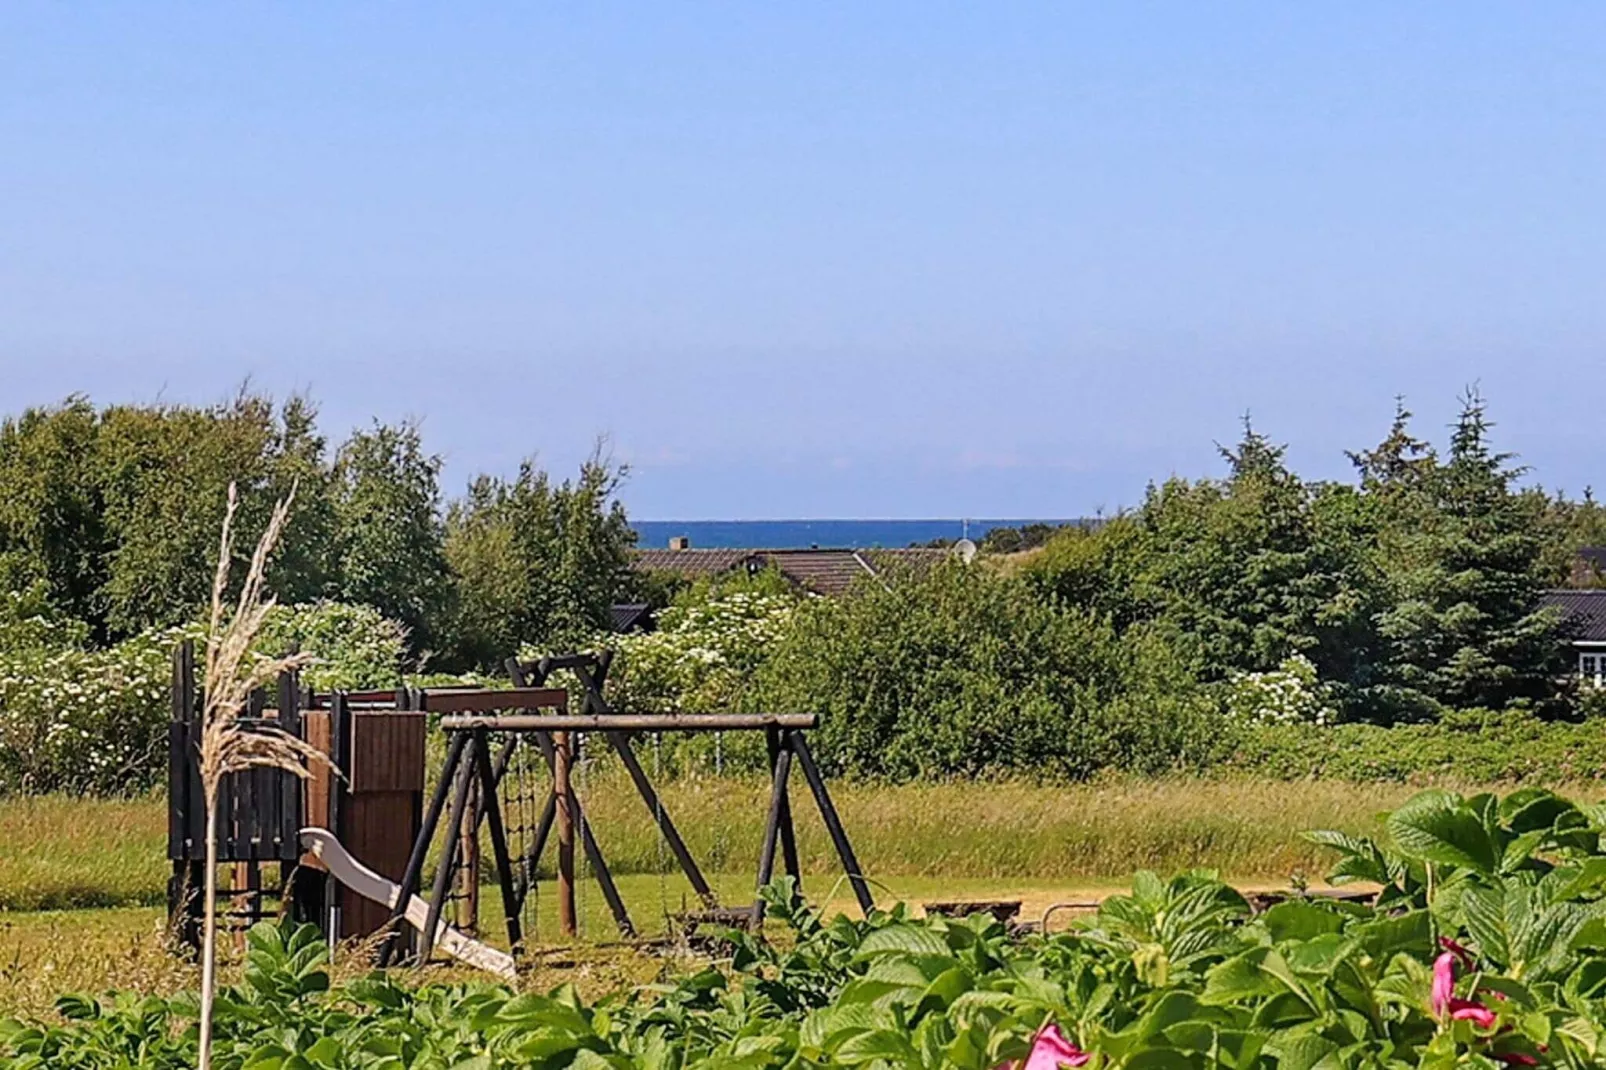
{"points": [[349, 852]]}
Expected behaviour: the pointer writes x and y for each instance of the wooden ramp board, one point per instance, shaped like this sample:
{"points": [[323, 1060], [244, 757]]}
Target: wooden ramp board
{"points": [[370, 885]]}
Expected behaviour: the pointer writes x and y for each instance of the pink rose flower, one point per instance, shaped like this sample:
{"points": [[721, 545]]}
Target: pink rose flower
{"points": [[1443, 997], [1051, 1051], [1443, 983], [1472, 1011]]}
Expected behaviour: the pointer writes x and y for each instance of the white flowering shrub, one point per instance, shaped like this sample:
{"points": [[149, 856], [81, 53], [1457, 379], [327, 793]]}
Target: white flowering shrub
{"points": [[353, 647], [1291, 693], [86, 720], [79, 719], [701, 656]]}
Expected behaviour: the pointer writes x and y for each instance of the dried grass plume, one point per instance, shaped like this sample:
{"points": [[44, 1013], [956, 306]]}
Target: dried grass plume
{"points": [[234, 669]]}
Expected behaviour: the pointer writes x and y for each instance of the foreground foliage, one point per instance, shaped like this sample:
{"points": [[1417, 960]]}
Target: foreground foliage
{"points": [[1486, 947]]}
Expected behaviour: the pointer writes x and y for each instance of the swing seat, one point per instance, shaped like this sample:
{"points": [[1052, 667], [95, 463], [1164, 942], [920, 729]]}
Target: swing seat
{"points": [[691, 921], [1004, 910]]}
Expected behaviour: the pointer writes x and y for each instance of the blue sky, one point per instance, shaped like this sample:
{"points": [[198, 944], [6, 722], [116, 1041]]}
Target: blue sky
{"points": [[821, 259]]}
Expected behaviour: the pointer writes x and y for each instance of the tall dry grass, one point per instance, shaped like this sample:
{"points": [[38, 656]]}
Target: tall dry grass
{"points": [[60, 852], [57, 851], [1102, 833]]}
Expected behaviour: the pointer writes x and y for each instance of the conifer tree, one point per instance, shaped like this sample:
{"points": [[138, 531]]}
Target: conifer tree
{"points": [[1466, 628], [1259, 566]]}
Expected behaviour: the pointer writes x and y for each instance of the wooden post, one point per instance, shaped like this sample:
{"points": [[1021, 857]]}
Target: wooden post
{"points": [[443, 875], [564, 793], [833, 823], [415, 861], [772, 830], [339, 802], [772, 740], [469, 874], [187, 815]]}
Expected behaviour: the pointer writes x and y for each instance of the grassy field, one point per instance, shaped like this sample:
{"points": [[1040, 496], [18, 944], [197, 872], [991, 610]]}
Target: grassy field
{"points": [[62, 853], [44, 954], [65, 861], [58, 852]]}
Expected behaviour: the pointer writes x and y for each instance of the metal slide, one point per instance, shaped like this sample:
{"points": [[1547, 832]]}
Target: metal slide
{"points": [[370, 885]]}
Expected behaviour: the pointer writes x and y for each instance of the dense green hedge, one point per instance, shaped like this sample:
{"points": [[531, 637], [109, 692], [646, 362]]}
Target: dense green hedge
{"points": [[968, 671], [1474, 746], [965, 671]]}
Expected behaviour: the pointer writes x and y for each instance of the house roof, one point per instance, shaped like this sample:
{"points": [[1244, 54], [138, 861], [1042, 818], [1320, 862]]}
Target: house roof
{"points": [[690, 562], [628, 616], [1584, 612], [831, 572], [823, 571]]}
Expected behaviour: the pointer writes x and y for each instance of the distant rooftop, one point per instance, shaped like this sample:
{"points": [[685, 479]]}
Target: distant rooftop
{"points": [[632, 617], [1584, 612], [827, 571]]}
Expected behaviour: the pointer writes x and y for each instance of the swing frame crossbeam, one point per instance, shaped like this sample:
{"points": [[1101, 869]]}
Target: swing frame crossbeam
{"points": [[632, 722], [473, 760]]}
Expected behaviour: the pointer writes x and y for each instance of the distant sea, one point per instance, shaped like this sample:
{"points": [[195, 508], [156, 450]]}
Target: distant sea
{"points": [[801, 534]]}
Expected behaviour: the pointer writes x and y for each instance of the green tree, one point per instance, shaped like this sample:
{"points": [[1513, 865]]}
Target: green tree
{"points": [[1102, 569], [389, 537], [1398, 472], [51, 529], [164, 473], [1466, 628], [1259, 566], [1569, 526], [535, 562]]}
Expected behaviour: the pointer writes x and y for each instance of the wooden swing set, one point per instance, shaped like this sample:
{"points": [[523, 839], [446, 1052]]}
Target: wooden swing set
{"points": [[482, 748], [349, 852]]}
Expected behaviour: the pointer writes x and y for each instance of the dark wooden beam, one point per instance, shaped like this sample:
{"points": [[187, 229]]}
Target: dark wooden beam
{"points": [[632, 722]]}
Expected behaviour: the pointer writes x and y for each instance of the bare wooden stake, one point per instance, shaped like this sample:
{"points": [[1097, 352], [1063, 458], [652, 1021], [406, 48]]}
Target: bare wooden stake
{"points": [[564, 791]]}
